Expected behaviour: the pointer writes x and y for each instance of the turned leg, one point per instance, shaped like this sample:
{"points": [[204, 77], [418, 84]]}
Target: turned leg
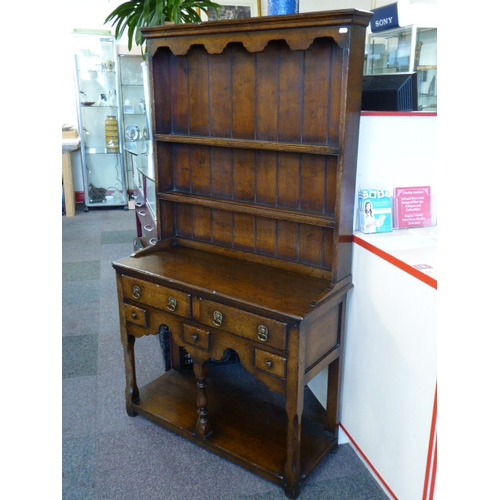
{"points": [[203, 428], [131, 390]]}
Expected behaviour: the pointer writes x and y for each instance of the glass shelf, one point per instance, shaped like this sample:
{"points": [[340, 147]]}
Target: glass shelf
{"points": [[100, 151]]}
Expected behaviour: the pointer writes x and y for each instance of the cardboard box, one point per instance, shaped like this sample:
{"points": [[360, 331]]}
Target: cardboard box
{"points": [[374, 211], [71, 133]]}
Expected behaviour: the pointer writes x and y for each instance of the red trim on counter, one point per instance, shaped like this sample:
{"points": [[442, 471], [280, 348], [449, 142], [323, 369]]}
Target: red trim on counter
{"points": [[398, 113], [430, 470], [368, 463], [396, 262]]}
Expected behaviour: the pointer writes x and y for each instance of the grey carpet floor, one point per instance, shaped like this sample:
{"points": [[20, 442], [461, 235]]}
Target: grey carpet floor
{"points": [[109, 455]]}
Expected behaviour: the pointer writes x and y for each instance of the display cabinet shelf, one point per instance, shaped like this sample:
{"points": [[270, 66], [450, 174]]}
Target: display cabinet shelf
{"points": [[100, 107], [97, 151]]}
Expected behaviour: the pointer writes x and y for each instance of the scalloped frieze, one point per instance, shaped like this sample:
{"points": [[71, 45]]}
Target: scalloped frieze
{"points": [[216, 43]]}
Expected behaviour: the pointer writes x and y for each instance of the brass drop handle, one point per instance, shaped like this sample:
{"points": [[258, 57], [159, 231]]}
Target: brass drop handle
{"points": [[262, 333], [134, 315], [217, 318], [269, 363], [195, 338], [172, 304], [136, 292]]}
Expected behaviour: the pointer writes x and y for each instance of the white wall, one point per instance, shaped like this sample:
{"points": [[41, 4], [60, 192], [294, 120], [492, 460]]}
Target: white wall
{"points": [[397, 152]]}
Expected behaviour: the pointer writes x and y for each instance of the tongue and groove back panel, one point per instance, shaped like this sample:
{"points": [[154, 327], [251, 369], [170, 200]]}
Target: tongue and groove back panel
{"points": [[249, 148]]}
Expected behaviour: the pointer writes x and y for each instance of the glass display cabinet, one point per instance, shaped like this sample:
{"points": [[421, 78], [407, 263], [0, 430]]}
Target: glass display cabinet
{"points": [[405, 50], [99, 119], [133, 107]]}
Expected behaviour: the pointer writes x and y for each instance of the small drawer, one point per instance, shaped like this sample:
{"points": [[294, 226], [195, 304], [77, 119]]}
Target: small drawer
{"points": [[242, 323], [136, 315], [158, 296], [270, 363], [196, 336]]}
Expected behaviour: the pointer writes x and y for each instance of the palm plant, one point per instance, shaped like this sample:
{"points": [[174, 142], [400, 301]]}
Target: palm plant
{"points": [[136, 14]]}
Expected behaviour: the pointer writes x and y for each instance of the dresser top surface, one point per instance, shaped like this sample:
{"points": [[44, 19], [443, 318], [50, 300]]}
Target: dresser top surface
{"points": [[302, 20], [223, 278]]}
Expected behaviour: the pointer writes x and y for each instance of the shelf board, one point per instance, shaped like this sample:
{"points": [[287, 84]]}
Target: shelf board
{"points": [[99, 106], [99, 151], [247, 429], [320, 220], [285, 147]]}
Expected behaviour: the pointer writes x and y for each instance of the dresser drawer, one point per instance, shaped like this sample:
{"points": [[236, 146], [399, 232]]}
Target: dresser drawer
{"points": [[242, 323], [270, 363], [158, 296], [196, 336], [136, 315]]}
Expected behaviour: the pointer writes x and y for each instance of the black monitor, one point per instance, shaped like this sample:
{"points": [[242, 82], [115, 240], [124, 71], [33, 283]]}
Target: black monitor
{"points": [[390, 92]]}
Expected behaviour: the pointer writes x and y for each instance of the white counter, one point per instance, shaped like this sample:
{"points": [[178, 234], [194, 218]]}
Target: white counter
{"points": [[415, 248]]}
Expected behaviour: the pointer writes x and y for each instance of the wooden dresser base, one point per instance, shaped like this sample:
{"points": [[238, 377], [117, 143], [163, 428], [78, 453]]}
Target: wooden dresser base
{"points": [[258, 413]]}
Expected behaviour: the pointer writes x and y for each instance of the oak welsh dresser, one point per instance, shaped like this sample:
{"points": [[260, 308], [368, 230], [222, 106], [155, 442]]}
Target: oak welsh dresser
{"points": [[255, 127]]}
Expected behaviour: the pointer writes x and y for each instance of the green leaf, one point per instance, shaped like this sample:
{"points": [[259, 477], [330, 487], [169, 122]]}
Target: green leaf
{"points": [[133, 15]]}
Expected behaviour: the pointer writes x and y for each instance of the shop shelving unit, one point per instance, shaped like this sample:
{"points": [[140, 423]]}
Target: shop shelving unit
{"points": [[99, 119]]}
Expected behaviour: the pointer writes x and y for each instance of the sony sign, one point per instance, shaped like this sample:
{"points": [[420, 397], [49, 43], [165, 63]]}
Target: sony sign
{"points": [[380, 23], [385, 18]]}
